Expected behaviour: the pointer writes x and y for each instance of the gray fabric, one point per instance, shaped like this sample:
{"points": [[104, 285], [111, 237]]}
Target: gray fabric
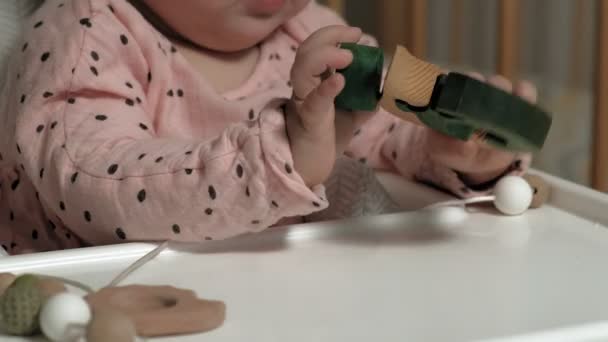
{"points": [[12, 13], [354, 191]]}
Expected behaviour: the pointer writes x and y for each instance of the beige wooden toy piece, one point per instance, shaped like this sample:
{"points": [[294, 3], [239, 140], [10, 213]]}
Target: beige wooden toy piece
{"points": [[110, 325], [540, 190], [6, 279], [409, 79], [50, 287], [47, 286], [161, 310]]}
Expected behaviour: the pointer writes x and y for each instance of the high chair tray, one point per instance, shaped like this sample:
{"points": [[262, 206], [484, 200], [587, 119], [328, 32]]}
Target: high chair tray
{"points": [[539, 277]]}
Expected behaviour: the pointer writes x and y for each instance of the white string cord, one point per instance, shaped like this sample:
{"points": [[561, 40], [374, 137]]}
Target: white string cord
{"points": [[138, 264], [70, 282]]}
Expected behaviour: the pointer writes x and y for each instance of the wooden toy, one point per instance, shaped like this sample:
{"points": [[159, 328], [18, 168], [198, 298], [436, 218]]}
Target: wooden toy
{"points": [[49, 287], [362, 91], [110, 325], [6, 279], [32, 304], [20, 307], [541, 191], [453, 104], [161, 310]]}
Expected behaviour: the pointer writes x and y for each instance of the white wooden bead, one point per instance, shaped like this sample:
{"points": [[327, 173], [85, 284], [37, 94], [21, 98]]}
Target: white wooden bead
{"points": [[513, 195], [60, 312]]}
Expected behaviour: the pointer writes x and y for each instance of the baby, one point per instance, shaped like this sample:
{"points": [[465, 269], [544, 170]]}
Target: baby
{"points": [[144, 120]]}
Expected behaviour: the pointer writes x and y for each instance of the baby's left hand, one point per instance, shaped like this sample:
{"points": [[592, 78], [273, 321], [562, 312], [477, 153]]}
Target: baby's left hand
{"points": [[476, 161]]}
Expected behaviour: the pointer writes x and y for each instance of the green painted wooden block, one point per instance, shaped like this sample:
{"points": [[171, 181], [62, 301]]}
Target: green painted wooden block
{"points": [[461, 106], [363, 79]]}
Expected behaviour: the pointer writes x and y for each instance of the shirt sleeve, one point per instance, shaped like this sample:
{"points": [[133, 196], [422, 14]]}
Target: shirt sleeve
{"points": [[86, 137]]}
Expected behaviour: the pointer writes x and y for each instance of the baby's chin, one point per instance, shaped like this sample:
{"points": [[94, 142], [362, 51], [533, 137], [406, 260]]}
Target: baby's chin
{"points": [[233, 40]]}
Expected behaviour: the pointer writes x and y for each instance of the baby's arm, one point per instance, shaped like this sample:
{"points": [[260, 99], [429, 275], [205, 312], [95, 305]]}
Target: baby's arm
{"points": [[87, 140]]}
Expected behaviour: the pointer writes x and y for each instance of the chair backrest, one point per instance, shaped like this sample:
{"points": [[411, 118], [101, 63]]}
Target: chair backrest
{"points": [[12, 13]]}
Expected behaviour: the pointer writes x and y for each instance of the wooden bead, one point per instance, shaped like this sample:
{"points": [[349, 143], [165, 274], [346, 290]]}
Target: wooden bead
{"points": [[541, 190], [411, 80], [20, 306], [162, 310], [50, 287], [110, 325], [6, 279]]}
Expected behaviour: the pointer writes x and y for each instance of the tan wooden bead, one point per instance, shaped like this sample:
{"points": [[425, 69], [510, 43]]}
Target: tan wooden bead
{"points": [[6, 279], [50, 287], [540, 189], [409, 79]]}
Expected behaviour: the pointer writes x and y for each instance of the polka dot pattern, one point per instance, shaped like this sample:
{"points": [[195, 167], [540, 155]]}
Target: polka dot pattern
{"points": [[141, 195], [86, 22], [121, 234], [45, 56], [112, 169]]}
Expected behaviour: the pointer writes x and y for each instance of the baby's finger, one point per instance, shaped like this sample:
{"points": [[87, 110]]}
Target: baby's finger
{"points": [[331, 35], [308, 67], [476, 75], [501, 82], [527, 91], [315, 63], [317, 109]]}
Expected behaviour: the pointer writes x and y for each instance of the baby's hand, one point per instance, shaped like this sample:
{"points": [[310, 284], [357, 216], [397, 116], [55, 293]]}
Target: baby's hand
{"points": [[475, 160], [311, 113]]}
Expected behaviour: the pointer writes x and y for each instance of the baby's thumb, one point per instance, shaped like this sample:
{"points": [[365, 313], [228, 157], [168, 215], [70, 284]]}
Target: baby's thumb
{"points": [[318, 108]]}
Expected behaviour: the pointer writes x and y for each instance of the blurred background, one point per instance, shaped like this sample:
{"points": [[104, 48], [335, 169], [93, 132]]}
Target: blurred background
{"points": [[553, 43]]}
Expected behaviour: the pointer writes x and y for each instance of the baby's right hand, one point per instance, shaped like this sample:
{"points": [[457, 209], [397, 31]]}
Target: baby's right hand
{"points": [[311, 113]]}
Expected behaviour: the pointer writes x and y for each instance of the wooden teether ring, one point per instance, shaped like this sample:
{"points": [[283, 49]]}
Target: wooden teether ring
{"points": [[110, 325], [540, 189], [162, 310]]}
